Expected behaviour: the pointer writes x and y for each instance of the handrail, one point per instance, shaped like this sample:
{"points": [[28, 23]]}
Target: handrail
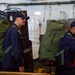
{"points": [[21, 73]]}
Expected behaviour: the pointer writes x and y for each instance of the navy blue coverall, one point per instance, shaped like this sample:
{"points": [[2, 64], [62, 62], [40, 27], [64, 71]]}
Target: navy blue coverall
{"points": [[68, 43], [13, 59]]}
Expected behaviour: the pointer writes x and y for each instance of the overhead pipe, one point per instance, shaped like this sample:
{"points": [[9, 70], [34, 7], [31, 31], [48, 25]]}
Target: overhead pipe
{"points": [[42, 3], [73, 11], [50, 11]]}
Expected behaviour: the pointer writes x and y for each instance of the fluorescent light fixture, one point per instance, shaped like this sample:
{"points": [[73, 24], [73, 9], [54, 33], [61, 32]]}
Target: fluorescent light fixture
{"points": [[37, 13]]}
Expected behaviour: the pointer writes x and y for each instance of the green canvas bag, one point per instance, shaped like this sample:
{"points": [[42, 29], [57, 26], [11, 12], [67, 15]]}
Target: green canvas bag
{"points": [[4, 25], [49, 45]]}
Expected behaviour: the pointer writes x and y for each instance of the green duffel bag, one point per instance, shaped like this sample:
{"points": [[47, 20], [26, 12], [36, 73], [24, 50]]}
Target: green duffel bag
{"points": [[4, 25], [49, 45]]}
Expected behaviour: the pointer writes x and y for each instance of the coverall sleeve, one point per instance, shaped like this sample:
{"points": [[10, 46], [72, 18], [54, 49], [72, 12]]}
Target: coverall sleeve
{"points": [[17, 46], [70, 42]]}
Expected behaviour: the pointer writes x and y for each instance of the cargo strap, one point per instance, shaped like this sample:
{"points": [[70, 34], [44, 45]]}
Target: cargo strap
{"points": [[6, 51], [62, 57]]}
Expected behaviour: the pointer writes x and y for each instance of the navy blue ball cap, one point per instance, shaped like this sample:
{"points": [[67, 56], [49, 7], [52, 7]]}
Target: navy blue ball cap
{"points": [[72, 24], [21, 14]]}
